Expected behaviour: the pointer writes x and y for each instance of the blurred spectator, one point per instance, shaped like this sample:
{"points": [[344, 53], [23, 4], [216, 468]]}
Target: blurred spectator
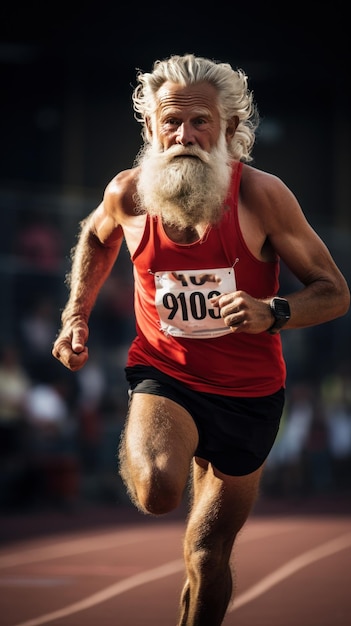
{"points": [[318, 454], [91, 388], [38, 326], [312, 453], [39, 251], [37, 331], [52, 450], [336, 394], [39, 244], [339, 427], [14, 385], [300, 412], [284, 467], [102, 404]]}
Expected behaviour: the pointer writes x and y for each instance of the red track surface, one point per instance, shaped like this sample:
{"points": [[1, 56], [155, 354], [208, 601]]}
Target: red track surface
{"points": [[122, 569]]}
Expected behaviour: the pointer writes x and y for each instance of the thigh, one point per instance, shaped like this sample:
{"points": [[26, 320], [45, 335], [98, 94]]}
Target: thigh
{"points": [[160, 431]]}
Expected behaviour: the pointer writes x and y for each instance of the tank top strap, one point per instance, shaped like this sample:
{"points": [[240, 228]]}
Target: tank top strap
{"points": [[235, 184]]}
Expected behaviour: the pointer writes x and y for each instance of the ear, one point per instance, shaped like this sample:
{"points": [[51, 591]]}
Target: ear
{"points": [[232, 125]]}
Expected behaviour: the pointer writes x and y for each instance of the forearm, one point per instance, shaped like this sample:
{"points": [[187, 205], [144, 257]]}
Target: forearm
{"points": [[318, 303], [92, 262]]}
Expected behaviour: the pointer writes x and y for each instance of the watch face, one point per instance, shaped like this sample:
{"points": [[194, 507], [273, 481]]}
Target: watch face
{"points": [[281, 308]]}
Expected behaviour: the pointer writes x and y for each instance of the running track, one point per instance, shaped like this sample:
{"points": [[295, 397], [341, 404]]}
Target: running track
{"points": [[124, 569]]}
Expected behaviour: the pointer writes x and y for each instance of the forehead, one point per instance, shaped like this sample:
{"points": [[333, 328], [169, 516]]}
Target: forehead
{"points": [[202, 97]]}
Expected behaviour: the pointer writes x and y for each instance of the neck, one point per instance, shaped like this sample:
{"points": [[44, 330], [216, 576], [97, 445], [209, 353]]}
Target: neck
{"points": [[190, 234]]}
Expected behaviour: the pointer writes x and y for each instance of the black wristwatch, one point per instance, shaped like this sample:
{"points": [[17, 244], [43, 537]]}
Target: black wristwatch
{"points": [[281, 311]]}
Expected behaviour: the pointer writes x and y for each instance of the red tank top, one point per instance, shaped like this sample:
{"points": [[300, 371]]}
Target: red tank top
{"points": [[180, 333]]}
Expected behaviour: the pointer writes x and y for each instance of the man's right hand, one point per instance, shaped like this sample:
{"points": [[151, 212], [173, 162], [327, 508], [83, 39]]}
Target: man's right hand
{"points": [[70, 346]]}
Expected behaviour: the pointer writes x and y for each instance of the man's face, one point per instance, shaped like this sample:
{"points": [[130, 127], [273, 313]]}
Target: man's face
{"points": [[186, 116]]}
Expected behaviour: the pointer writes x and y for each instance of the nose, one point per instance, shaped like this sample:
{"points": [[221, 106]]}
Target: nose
{"points": [[185, 136]]}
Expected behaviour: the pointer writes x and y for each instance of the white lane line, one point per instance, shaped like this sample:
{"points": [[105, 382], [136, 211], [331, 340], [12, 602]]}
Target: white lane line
{"points": [[173, 567], [291, 567], [69, 548], [109, 592], [94, 543]]}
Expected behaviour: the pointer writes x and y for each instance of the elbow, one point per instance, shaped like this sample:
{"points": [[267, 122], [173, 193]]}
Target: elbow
{"points": [[343, 299], [347, 303]]}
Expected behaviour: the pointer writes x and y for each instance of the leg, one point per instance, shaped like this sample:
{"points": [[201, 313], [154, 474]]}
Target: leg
{"points": [[155, 454], [221, 505]]}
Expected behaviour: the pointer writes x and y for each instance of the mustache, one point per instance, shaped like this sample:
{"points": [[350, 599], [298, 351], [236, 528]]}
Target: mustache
{"points": [[182, 151]]}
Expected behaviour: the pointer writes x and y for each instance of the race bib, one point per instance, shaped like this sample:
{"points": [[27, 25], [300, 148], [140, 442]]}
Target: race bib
{"points": [[182, 300]]}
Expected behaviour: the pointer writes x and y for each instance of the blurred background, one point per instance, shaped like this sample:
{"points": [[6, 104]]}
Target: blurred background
{"points": [[67, 127]]}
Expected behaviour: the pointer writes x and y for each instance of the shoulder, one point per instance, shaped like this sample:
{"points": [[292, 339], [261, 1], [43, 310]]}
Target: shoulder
{"points": [[258, 184], [119, 193], [268, 198], [109, 218]]}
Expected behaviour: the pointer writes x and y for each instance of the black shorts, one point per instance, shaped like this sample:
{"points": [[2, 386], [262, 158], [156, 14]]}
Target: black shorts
{"points": [[235, 434]]}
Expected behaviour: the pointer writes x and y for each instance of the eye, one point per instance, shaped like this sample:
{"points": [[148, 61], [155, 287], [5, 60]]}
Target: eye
{"points": [[200, 121], [171, 121]]}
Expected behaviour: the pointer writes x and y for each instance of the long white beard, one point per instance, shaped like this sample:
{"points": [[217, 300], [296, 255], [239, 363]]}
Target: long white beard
{"points": [[184, 191]]}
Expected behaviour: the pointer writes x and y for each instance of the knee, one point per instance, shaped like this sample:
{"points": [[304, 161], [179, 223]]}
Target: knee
{"points": [[152, 487], [158, 492], [155, 483]]}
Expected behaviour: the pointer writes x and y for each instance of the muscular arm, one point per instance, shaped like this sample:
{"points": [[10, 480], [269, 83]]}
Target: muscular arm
{"points": [[99, 243], [325, 294], [272, 220]]}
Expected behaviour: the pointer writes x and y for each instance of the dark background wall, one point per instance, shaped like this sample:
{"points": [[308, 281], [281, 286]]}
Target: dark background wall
{"points": [[67, 72]]}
